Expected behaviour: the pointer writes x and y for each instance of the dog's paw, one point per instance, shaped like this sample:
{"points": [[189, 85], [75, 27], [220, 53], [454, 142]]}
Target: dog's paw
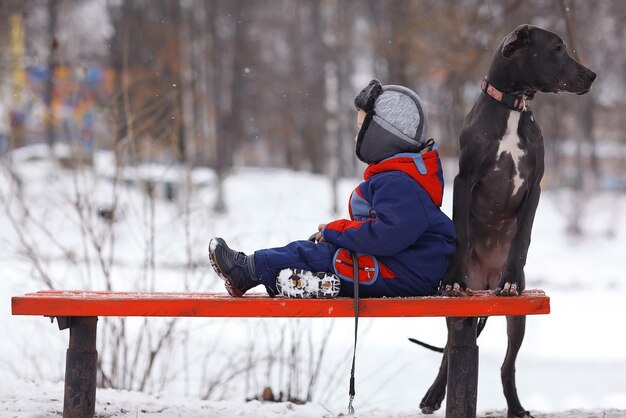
{"points": [[454, 290], [522, 414], [508, 289], [428, 410], [432, 401]]}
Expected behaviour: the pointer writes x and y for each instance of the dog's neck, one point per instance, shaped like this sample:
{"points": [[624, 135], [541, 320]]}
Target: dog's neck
{"points": [[505, 85], [507, 100], [504, 99]]}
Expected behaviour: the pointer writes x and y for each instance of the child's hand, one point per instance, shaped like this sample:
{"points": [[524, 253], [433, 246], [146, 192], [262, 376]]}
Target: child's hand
{"points": [[319, 237]]}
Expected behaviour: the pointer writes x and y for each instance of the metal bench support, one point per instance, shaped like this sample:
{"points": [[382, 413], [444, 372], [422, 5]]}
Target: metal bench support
{"points": [[462, 368], [80, 366]]}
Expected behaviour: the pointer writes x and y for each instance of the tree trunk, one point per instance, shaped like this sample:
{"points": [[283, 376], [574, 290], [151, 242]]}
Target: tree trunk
{"points": [[294, 141], [221, 146], [315, 96], [53, 62], [233, 121], [188, 148]]}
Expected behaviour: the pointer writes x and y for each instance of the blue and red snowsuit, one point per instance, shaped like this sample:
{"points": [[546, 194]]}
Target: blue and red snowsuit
{"points": [[403, 241]]}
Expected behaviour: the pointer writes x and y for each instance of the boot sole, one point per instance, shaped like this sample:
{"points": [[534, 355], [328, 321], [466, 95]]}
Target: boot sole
{"points": [[303, 284]]}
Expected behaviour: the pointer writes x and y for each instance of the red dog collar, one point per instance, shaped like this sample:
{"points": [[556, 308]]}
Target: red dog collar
{"points": [[507, 100]]}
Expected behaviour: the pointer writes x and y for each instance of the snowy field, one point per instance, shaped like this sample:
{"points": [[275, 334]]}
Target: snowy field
{"points": [[572, 363]]}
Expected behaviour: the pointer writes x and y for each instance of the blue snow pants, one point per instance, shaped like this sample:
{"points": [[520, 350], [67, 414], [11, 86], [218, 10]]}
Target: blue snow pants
{"points": [[315, 257]]}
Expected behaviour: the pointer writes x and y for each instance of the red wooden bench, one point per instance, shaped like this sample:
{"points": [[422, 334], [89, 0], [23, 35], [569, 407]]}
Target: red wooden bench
{"points": [[79, 311]]}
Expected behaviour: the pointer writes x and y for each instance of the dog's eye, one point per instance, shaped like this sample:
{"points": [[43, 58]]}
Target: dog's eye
{"points": [[558, 48]]}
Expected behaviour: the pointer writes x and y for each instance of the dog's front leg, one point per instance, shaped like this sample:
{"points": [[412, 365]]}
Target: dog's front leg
{"points": [[455, 281], [512, 281]]}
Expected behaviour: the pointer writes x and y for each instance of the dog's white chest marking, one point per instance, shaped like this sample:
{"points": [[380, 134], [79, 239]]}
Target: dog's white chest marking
{"points": [[510, 143]]}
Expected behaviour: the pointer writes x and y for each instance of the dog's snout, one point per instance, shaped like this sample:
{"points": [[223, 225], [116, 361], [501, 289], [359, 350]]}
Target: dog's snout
{"points": [[591, 75], [585, 79]]}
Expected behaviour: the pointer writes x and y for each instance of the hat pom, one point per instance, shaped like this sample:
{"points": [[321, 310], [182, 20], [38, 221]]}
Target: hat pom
{"points": [[366, 98]]}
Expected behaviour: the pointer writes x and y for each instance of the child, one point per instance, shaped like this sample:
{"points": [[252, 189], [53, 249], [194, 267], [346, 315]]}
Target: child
{"points": [[402, 240]]}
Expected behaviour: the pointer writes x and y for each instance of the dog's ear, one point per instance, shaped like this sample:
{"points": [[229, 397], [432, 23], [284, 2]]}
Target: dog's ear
{"points": [[515, 40]]}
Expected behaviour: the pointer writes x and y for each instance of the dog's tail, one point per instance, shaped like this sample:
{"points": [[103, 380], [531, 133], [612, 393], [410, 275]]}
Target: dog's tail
{"points": [[482, 321], [426, 345]]}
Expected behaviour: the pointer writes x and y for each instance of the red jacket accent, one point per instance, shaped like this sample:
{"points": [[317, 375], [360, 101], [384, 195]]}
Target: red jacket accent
{"points": [[431, 181]]}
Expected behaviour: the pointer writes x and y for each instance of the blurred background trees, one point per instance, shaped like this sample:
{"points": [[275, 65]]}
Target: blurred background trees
{"points": [[270, 83]]}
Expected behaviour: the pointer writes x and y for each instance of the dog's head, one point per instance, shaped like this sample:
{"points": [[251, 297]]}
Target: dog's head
{"points": [[532, 59]]}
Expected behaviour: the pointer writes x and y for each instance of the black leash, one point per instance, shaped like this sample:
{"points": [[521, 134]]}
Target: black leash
{"points": [[355, 262], [352, 392]]}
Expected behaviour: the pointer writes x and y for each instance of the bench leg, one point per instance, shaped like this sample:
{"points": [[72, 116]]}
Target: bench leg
{"points": [[462, 368], [80, 368]]}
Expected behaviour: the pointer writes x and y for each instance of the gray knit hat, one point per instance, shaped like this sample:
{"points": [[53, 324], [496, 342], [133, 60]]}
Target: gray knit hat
{"points": [[395, 122]]}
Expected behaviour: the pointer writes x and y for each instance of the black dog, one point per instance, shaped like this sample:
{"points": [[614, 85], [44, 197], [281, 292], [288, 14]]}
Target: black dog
{"points": [[497, 189]]}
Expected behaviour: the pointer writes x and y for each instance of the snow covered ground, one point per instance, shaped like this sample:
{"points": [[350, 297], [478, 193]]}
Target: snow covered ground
{"points": [[572, 360], [44, 399]]}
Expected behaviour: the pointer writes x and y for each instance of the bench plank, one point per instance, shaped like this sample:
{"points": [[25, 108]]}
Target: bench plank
{"points": [[94, 303]]}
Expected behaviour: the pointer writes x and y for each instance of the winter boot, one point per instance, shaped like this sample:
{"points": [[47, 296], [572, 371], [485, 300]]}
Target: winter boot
{"points": [[235, 268], [303, 284]]}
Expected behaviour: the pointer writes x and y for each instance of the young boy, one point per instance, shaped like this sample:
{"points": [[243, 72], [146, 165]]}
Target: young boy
{"points": [[401, 239]]}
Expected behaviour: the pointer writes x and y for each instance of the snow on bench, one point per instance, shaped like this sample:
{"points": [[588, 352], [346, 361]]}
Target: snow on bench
{"points": [[79, 310]]}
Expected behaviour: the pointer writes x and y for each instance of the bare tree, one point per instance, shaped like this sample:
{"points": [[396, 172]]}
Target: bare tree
{"points": [[53, 62]]}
